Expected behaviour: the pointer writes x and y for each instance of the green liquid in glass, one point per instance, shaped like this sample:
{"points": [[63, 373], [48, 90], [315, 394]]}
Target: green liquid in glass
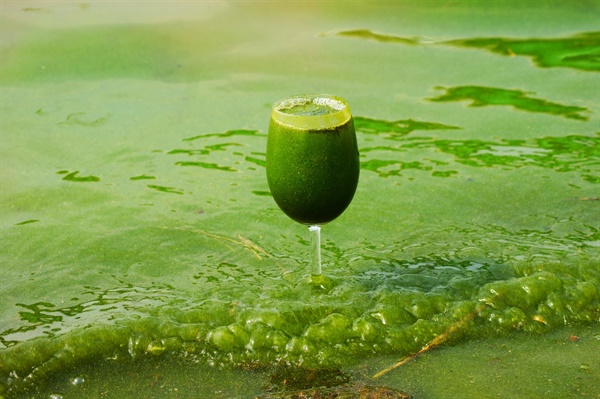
{"points": [[312, 158]]}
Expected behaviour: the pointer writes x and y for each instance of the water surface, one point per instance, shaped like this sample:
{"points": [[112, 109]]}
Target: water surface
{"points": [[137, 226]]}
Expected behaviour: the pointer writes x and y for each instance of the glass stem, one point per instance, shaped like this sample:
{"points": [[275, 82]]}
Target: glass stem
{"points": [[315, 244]]}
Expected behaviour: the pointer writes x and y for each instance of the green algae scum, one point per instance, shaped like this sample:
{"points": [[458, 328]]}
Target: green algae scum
{"points": [[143, 254], [312, 158]]}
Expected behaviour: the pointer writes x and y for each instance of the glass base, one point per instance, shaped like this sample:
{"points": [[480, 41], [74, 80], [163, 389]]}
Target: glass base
{"points": [[321, 283]]}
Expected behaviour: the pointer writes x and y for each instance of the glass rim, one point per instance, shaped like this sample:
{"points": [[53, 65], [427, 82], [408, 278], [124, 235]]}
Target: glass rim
{"points": [[339, 116]]}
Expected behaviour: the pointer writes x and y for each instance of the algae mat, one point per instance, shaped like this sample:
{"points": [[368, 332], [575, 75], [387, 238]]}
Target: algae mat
{"points": [[137, 226]]}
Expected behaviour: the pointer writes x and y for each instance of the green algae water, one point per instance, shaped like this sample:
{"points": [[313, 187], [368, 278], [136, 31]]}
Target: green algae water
{"points": [[143, 256]]}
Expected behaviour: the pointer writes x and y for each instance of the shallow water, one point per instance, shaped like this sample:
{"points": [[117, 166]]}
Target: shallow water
{"points": [[137, 223], [560, 364]]}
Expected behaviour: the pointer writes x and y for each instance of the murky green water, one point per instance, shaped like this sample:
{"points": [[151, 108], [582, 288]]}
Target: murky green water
{"points": [[138, 232]]}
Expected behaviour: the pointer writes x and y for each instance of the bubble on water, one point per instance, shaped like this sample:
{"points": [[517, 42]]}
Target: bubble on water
{"points": [[56, 396], [77, 380]]}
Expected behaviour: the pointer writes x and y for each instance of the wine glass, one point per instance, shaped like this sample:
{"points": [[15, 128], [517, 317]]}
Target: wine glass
{"points": [[312, 163]]}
